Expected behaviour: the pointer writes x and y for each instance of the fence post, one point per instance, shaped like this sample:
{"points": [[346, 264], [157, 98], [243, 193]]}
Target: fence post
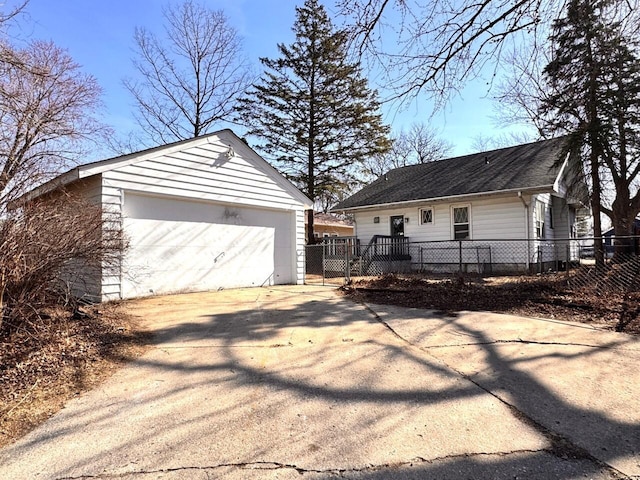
{"points": [[323, 262], [490, 260], [539, 259], [347, 273], [459, 256]]}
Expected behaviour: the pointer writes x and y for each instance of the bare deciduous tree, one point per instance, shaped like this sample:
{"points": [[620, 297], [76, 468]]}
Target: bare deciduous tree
{"points": [[189, 79], [47, 113], [440, 45], [520, 92], [482, 143], [418, 144]]}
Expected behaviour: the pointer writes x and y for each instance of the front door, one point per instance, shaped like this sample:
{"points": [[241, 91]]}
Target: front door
{"points": [[397, 226], [397, 232]]}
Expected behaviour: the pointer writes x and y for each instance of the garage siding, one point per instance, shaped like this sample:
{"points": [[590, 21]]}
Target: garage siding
{"points": [[205, 172], [300, 242], [112, 205], [206, 175], [86, 283]]}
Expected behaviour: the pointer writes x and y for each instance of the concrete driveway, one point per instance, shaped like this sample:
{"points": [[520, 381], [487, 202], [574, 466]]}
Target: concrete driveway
{"points": [[288, 381]]}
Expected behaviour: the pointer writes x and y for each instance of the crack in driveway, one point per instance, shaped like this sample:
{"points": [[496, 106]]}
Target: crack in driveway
{"points": [[519, 340], [339, 472], [562, 447]]}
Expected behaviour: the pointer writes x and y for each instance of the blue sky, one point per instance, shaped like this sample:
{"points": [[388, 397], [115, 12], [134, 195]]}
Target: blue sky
{"points": [[99, 36]]}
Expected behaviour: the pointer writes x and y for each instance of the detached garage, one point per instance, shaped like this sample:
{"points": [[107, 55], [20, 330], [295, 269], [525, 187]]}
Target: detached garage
{"points": [[200, 214]]}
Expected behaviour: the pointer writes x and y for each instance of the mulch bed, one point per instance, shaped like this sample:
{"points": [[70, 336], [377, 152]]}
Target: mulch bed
{"points": [[544, 296]]}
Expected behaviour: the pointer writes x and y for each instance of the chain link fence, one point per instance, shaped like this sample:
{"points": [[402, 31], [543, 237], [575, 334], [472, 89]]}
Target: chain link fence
{"points": [[616, 267]]}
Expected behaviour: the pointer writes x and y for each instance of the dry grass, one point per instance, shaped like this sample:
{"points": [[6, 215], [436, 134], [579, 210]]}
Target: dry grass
{"points": [[64, 355]]}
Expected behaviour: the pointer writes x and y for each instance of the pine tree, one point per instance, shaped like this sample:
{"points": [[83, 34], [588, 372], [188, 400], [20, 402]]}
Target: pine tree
{"points": [[313, 109], [594, 94]]}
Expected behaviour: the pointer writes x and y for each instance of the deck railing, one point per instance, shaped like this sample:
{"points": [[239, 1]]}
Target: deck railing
{"points": [[341, 247]]}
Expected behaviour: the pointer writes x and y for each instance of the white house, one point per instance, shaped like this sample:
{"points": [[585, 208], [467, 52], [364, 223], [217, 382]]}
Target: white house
{"points": [[474, 202], [200, 214]]}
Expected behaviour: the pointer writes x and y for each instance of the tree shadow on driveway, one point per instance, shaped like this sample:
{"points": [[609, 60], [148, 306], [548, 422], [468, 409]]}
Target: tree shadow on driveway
{"points": [[321, 387]]}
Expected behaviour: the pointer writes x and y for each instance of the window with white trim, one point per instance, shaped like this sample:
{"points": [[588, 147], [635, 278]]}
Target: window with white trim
{"points": [[426, 216], [461, 225], [539, 219]]}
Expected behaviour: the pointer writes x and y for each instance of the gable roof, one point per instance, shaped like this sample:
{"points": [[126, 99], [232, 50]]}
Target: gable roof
{"points": [[226, 137], [532, 166]]}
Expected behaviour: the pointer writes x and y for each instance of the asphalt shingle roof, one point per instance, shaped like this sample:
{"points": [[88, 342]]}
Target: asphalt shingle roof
{"points": [[520, 167]]}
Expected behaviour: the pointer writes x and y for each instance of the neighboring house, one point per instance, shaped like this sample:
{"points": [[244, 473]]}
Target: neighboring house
{"points": [[200, 214], [635, 230], [634, 247], [328, 225], [518, 192]]}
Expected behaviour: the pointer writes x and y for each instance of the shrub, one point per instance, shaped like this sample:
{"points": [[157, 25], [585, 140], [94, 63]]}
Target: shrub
{"points": [[47, 247]]}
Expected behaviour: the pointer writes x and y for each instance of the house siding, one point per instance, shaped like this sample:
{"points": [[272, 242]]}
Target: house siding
{"points": [[541, 201], [561, 218], [491, 218]]}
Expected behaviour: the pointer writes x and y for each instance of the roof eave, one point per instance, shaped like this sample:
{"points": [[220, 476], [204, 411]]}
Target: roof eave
{"points": [[538, 189], [54, 184]]}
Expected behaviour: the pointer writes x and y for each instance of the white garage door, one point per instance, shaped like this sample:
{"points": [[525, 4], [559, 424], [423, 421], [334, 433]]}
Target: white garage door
{"points": [[179, 245]]}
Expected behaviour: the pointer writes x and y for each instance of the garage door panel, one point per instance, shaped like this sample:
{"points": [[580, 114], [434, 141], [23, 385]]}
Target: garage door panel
{"points": [[168, 255]]}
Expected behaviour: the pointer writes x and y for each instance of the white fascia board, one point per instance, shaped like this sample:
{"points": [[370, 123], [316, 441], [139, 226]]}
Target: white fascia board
{"points": [[559, 177], [465, 197], [53, 184]]}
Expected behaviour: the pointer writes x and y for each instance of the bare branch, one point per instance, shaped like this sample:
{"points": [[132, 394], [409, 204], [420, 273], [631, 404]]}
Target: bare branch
{"points": [[48, 111], [441, 44], [189, 80], [47, 247]]}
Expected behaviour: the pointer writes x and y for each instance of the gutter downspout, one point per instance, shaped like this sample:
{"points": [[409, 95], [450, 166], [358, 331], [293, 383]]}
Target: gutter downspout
{"points": [[526, 228]]}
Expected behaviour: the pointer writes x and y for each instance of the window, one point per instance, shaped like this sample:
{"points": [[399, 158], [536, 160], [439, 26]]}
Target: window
{"points": [[426, 216], [539, 219], [461, 225]]}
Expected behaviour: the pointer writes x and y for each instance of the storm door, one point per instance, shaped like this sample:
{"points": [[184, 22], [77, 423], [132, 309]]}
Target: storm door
{"points": [[397, 241], [397, 226]]}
